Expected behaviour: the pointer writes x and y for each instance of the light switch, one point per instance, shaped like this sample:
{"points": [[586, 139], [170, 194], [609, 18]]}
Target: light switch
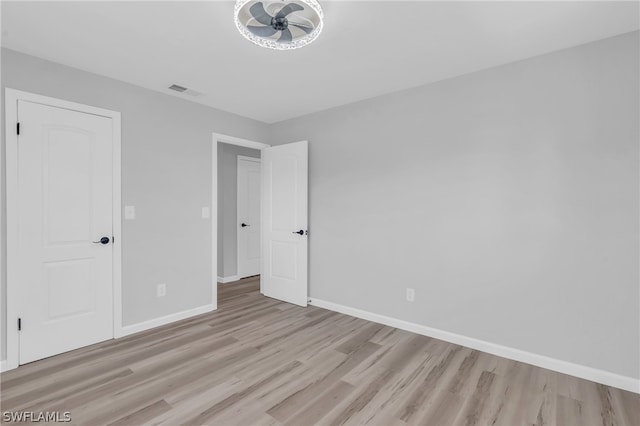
{"points": [[206, 213], [129, 212]]}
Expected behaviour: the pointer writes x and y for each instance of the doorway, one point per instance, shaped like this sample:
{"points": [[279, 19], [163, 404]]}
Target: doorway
{"points": [[283, 219], [248, 216], [63, 226], [225, 151], [238, 212]]}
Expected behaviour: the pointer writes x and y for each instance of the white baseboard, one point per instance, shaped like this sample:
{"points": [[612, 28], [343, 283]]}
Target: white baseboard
{"points": [[3, 366], [157, 322], [231, 278], [577, 370]]}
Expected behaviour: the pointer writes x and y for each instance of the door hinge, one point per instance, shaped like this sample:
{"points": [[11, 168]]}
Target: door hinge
{"points": [[19, 324], [18, 128], [113, 239]]}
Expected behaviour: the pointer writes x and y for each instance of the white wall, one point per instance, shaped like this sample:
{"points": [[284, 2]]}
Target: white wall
{"points": [[228, 206], [166, 175], [507, 198]]}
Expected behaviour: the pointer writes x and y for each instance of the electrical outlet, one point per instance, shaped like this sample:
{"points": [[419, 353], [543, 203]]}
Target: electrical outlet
{"points": [[161, 290], [206, 213], [411, 295]]}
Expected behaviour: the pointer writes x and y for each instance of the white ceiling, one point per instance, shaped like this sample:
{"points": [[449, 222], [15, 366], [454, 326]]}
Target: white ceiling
{"points": [[366, 48]]}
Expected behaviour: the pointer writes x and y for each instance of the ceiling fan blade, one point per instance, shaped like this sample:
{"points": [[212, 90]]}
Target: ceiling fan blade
{"points": [[307, 29], [291, 7], [286, 36], [262, 31], [260, 15]]}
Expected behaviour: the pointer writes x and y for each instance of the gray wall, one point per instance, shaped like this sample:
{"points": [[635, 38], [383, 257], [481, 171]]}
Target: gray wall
{"points": [[166, 174], [507, 198], [228, 206]]}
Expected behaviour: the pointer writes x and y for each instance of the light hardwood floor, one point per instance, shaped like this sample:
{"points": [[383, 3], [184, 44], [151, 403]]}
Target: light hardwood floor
{"points": [[258, 361]]}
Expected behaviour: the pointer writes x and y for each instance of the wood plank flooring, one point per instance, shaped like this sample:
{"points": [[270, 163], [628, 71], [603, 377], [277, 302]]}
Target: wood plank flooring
{"points": [[258, 361]]}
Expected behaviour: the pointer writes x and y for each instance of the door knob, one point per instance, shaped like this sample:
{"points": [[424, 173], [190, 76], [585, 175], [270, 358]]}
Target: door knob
{"points": [[103, 240], [244, 225], [300, 232]]}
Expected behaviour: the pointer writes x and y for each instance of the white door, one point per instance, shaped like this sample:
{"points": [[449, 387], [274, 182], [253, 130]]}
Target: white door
{"points": [[248, 216], [284, 214], [65, 206]]}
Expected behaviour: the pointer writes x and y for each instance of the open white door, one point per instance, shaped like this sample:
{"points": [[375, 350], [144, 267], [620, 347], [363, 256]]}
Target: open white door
{"points": [[284, 222]]}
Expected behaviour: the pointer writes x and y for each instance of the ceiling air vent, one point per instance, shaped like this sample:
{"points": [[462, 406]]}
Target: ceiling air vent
{"points": [[177, 88], [182, 89]]}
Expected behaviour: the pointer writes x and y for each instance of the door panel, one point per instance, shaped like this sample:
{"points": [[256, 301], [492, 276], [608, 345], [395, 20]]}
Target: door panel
{"points": [[284, 204], [65, 203], [248, 213], [284, 260], [283, 186], [70, 288], [68, 201]]}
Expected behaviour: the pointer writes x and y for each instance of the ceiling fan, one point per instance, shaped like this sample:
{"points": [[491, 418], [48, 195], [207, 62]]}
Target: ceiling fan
{"points": [[282, 25]]}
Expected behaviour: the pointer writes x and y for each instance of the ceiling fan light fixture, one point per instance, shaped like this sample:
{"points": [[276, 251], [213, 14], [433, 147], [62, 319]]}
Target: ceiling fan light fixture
{"points": [[279, 24]]}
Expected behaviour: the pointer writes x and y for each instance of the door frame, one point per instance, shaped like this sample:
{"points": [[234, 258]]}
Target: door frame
{"points": [[231, 140], [14, 292], [255, 160]]}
